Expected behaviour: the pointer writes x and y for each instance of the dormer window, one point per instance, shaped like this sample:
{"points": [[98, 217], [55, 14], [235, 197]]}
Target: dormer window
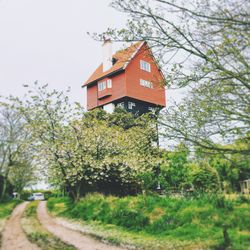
{"points": [[145, 66], [101, 86]]}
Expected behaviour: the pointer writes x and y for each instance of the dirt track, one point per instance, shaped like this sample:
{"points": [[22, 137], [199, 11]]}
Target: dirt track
{"points": [[13, 235], [69, 236]]}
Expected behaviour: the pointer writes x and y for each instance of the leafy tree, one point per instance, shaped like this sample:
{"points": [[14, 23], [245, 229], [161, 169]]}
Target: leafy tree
{"points": [[203, 45], [203, 177], [122, 118], [228, 172], [87, 150], [14, 143], [21, 175], [175, 170], [46, 114], [232, 168], [121, 152]]}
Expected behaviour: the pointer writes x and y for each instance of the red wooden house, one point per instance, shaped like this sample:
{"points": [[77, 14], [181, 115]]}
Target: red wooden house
{"points": [[130, 79]]}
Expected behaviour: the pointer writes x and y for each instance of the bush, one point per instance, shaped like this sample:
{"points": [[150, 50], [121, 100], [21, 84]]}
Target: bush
{"points": [[130, 219], [221, 202], [7, 207], [165, 223], [243, 199], [96, 207], [204, 178], [27, 193], [54, 204], [31, 209]]}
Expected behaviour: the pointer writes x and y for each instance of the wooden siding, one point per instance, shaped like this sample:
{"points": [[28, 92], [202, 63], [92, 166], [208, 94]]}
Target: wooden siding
{"points": [[92, 99], [118, 91], [134, 73]]}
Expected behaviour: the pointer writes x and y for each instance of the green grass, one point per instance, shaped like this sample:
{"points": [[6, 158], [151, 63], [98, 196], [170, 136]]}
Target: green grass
{"points": [[147, 220], [39, 235], [5, 210], [7, 207]]}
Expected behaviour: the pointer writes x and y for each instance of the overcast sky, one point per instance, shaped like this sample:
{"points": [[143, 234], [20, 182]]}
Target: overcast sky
{"points": [[46, 40]]}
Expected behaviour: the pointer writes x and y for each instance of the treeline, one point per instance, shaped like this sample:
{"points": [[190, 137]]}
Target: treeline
{"points": [[115, 153], [193, 172], [82, 152]]}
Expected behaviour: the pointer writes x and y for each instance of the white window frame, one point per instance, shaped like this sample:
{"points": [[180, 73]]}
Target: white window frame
{"points": [[146, 84], [131, 105], [145, 66], [102, 85], [109, 83]]}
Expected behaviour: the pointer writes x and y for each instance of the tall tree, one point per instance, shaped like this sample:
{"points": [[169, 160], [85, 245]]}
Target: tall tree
{"points": [[22, 174], [203, 45], [84, 149], [47, 114], [14, 142]]}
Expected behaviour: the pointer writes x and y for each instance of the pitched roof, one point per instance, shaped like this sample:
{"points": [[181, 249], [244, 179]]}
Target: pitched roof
{"points": [[122, 57]]}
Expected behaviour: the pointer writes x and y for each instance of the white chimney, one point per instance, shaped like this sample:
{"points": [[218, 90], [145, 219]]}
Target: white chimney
{"points": [[107, 54]]}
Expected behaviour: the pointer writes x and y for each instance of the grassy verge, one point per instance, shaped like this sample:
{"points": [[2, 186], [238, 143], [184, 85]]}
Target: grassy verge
{"points": [[37, 234], [152, 222], [5, 210], [119, 236]]}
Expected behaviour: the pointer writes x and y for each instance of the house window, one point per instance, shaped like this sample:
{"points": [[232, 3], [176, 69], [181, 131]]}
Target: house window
{"points": [[101, 86], [109, 83], [145, 66], [121, 105], [146, 84], [131, 105]]}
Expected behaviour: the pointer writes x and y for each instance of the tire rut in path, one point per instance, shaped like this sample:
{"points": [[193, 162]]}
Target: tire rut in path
{"points": [[69, 236], [13, 236]]}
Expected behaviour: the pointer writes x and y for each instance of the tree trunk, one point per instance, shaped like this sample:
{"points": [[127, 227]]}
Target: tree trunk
{"points": [[4, 188], [75, 192]]}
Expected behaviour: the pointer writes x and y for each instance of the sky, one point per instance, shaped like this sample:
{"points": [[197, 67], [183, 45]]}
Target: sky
{"points": [[47, 41]]}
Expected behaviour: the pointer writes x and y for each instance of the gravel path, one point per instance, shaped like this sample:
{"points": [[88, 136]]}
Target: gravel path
{"points": [[13, 235], [67, 235]]}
